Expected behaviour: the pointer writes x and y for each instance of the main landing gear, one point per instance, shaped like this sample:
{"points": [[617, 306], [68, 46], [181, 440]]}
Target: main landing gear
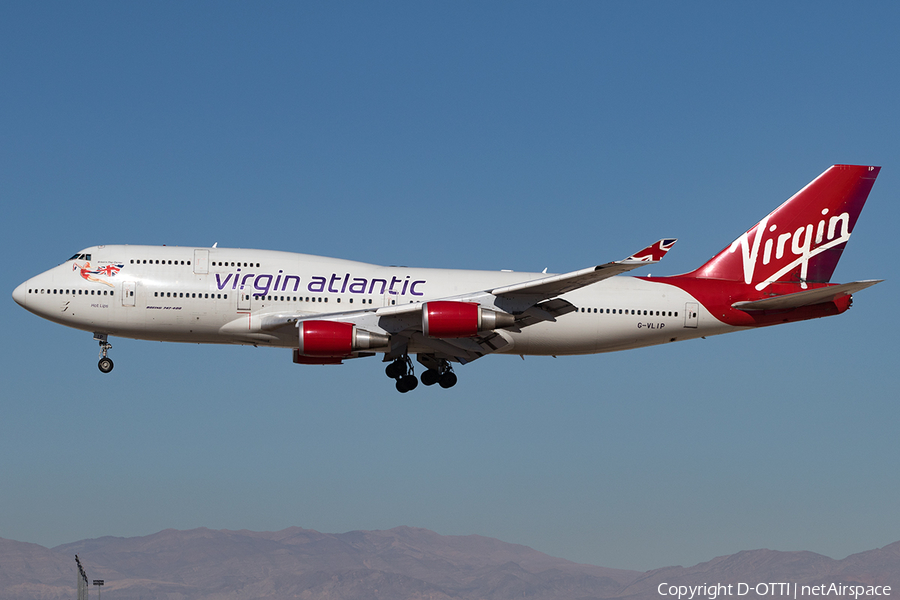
{"points": [[439, 371], [402, 370], [106, 364], [441, 374]]}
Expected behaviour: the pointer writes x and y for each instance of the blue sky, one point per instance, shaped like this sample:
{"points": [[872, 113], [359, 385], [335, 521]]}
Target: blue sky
{"points": [[466, 135]]}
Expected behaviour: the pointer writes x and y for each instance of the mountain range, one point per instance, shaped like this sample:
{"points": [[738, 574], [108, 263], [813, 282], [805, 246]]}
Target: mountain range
{"points": [[400, 563]]}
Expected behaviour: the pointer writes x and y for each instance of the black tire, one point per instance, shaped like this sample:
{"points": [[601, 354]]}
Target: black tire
{"points": [[430, 377], [448, 380], [410, 382], [105, 365], [394, 370]]}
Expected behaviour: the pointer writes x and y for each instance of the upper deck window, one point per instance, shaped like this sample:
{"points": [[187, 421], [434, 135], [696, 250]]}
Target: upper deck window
{"points": [[81, 257]]}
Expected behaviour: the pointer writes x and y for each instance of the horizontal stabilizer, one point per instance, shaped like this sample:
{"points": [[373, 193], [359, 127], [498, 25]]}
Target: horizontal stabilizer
{"points": [[806, 298]]}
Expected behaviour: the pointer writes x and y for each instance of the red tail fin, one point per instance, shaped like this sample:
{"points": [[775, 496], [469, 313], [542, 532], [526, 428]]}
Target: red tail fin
{"points": [[800, 241]]}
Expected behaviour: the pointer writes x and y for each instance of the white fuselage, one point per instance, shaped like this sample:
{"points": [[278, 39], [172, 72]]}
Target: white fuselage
{"points": [[221, 295]]}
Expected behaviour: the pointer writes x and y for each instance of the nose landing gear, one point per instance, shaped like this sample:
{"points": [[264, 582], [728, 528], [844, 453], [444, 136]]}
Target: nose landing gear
{"points": [[106, 364]]}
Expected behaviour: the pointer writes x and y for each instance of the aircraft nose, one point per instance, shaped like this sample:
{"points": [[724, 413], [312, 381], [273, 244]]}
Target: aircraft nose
{"points": [[20, 293]]}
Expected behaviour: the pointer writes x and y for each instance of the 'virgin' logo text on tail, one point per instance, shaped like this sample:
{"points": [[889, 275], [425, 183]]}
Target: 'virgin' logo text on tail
{"points": [[801, 243]]}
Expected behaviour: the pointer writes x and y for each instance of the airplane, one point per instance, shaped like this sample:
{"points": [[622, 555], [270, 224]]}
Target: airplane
{"points": [[328, 310]]}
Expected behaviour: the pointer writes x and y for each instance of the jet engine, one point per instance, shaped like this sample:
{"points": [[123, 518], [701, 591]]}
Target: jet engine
{"points": [[447, 319], [336, 339]]}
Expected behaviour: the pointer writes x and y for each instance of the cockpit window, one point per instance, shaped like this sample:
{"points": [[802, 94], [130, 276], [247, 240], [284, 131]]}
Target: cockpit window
{"points": [[81, 257]]}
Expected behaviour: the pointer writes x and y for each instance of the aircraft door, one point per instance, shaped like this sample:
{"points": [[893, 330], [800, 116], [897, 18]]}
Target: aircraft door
{"points": [[201, 261], [128, 288], [243, 304], [691, 315]]}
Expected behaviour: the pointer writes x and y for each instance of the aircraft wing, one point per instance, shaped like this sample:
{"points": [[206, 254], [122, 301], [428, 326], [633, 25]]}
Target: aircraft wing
{"points": [[806, 298], [555, 285], [531, 302]]}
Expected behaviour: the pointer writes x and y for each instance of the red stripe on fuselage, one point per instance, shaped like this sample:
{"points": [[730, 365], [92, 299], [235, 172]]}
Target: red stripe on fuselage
{"points": [[717, 296]]}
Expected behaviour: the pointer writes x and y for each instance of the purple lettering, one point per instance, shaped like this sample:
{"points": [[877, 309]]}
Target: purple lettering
{"points": [[334, 277], [221, 284], [391, 288], [317, 284], [244, 280], [412, 288], [277, 280], [236, 277], [346, 279], [285, 283], [263, 290], [383, 284], [358, 286], [405, 283]]}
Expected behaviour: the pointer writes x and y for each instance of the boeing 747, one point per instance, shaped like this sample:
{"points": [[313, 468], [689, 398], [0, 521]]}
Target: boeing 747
{"points": [[328, 310]]}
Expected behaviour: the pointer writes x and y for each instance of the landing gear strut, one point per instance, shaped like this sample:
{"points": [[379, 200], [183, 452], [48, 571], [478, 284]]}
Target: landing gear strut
{"points": [[402, 370], [106, 364]]}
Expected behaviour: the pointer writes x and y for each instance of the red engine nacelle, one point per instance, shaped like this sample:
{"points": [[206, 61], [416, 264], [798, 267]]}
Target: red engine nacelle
{"points": [[447, 319], [335, 339]]}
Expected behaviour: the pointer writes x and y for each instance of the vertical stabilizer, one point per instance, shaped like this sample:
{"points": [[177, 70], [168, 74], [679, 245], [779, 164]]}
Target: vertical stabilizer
{"points": [[802, 240]]}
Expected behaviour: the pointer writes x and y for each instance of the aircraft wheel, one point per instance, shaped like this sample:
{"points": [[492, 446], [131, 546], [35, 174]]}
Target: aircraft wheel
{"points": [[430, 377], [410, 382], [394, 370], [407, 383], [105, 365], [448, 380]]}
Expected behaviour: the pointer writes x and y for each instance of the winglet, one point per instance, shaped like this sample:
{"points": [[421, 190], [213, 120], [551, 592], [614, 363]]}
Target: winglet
{"points": [[652, 253]]}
